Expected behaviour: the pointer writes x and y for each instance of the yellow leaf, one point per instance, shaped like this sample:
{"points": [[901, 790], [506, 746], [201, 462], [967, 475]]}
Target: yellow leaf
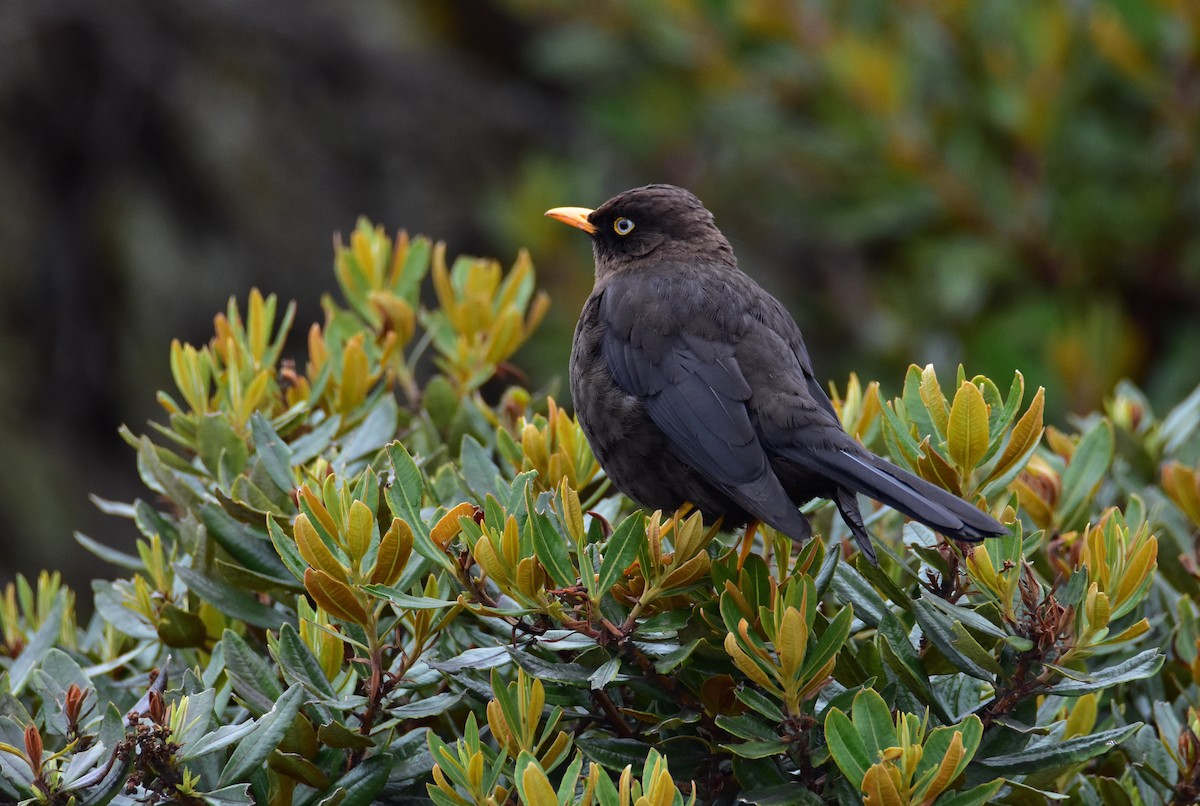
{"points": [[1025, 434], [572, 511], [747, 665], [881, 786], [1182, 485], [356, 373], [447, 527], [336, 597], [967, 437], [791, 644], [934, 399], [485, 554], [688, 573], [358, 533], [315, 552], [933, 467], [1081, 716], [1137, 568], [394, 549], [501, 729], [946, 770], [318, 509], [538, 791]]}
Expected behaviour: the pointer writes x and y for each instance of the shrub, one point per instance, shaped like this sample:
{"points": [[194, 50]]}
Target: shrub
{"points": [[355, 586]]}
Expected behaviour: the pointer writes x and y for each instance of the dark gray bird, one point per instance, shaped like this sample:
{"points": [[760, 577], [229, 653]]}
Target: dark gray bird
{"points": [[693, 384]]}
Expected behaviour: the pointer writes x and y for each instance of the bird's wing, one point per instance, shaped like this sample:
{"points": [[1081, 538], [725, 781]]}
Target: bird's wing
{"points": [[799, 426], [695, 392]]}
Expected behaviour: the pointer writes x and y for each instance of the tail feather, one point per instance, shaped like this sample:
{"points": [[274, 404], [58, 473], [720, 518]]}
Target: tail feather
{"points": [[924, 502]]}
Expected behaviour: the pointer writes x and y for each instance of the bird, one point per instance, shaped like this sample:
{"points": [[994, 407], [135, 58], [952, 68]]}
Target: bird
{"points": [[693, 385]]}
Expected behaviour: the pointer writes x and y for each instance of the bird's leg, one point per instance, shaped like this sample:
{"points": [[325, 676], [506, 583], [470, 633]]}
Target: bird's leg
{"points": [[747, 542]]}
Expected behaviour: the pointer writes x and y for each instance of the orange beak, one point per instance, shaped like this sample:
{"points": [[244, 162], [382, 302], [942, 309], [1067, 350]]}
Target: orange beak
{"points": [[576, 217]]}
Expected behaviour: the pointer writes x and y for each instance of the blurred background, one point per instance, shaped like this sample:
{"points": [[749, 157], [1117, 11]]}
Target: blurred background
{"points": [[1010, 184]]}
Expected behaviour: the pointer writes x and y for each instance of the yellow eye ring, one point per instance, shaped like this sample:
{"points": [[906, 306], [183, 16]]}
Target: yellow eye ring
{"points": [[623, 226]]}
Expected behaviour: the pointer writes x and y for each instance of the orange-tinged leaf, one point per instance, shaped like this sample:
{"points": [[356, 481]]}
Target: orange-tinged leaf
{"points": [[392, 556], [572, 511], [946, 770], [1182, 485], [1032, 504], [336, 597], [314, 551], [1025, 434], [356, 372], [747, 665], [1137, 568], [689, 573], [967, 434], [447, 527], [881, 786], [318, 509], [934, 468]]}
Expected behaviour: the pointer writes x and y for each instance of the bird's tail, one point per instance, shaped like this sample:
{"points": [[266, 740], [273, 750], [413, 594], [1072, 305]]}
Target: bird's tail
{"points": [[941, 511]]}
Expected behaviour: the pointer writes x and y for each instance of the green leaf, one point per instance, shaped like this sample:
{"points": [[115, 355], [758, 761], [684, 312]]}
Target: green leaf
{"points": [[1140, 667], [748, 727], [939, 629], [621, 550], [248, 547], [218, 739], [571, 674], [363, 782], [975, 796], [253, 679], [757, 749], [614, 753], [847, 747], [850, 586], [297, 662], [668, 662], [218, 442], [760, 703], [551, 550], [967, 438], [230, 600], [38, 645], [423, 707], [873, 720], [370, 436], [1058, 753], [897, 651], [1090, 461], [269, 731], [273, 453], [108, 554], [405, 496]]}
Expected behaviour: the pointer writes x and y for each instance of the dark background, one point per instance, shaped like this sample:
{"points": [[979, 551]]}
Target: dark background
{"points": [[1009, 184]]}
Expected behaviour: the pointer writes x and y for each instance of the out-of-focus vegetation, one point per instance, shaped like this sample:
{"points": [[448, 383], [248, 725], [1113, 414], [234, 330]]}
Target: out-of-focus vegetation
{"points": [[1005, 184], [1016, 183]]}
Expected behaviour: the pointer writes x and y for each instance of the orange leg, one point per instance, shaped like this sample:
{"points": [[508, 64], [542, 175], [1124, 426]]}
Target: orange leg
{"points": [[747, 543]]}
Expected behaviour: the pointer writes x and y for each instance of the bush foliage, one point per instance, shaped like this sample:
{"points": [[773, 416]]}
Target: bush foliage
{"points": [[392, 575]]}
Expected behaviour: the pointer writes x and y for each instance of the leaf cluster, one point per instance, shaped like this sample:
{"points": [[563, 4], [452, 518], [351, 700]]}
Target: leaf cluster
{"points": [[357, 584]]}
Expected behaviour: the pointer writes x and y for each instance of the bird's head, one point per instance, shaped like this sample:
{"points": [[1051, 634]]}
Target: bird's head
{"points": [[665, 221]]}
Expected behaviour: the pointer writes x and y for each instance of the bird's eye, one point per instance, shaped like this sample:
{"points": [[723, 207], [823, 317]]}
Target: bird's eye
{"points": [[623, 226]]}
